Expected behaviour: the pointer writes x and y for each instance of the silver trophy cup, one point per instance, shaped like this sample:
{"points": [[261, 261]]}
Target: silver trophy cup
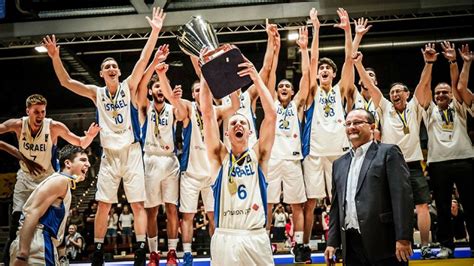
{"points": [[219, 63]]}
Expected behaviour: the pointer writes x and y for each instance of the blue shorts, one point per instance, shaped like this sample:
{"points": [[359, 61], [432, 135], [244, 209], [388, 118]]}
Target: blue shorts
{"points": [[126, 231], [111, 232]]}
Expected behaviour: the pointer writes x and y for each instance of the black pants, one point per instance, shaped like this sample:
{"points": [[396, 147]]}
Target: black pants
{"points": [[443, 175], [356, 254]]}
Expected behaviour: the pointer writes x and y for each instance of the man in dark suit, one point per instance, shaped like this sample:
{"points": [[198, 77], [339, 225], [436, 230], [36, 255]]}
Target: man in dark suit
{"points": [[372, 204]]}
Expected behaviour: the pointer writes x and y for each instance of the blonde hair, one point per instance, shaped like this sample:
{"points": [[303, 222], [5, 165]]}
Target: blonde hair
{"points": [[35, 99]]}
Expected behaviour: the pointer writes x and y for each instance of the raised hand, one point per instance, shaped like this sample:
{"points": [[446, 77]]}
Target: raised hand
{"points": [[50, 44], [344, 17], [158, 16], [162, 53], [93, 130], [249, 70], [276, 39], [429, 53], [357, 58], [303, 38], [466, 55], [177, 92], [448, 51], [313, 16], [361, 27], [161, 68]]}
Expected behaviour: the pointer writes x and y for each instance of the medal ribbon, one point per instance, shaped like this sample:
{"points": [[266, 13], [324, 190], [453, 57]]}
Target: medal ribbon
{"points": [[447, 115], [157, 119], [114, 99], [403, 118], [233, 162], [199, 119]]}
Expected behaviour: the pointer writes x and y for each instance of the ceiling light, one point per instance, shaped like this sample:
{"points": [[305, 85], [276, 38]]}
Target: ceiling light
{"points": [[293, 36], [41, 49]]}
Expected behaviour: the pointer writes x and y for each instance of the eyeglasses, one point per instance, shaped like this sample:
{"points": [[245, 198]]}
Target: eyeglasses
{"points": [[355, 123]]}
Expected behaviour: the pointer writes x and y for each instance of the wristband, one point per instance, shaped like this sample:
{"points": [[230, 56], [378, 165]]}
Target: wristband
{"points": [[452, 62], [429, 62], [21, 258]]}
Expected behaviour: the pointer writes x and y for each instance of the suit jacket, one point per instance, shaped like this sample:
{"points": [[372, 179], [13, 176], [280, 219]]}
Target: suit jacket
{"points": [[384, 201]]}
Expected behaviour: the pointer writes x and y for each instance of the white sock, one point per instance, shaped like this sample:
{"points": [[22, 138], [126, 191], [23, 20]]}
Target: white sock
{"points": [[299, 237], [187, 247], [141, 238], [172, 244], [153, 243], [307, 245], [98, 240], [268, 232]]}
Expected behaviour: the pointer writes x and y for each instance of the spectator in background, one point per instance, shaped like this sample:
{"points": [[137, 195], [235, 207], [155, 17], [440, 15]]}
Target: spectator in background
{"points": [[125, 225], [76, 219], [457, 221], [325, 221], [289, 232], [279, 218], [112, 229], [89, 217], [201, 226], [74, 243]]}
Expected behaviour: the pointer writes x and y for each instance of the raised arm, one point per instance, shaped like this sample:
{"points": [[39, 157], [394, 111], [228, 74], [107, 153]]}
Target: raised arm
{"points": [[156, 23], [302, 94], [467, 57], [276, 52], [62, 131], [313, 70], [214, 145], [142, 101], [374, 91], [44, 198], [449, 52], [430, 56], [32, 166], [347, 72], [361, 28], [267, 128], [178, 103], [88, 91]]}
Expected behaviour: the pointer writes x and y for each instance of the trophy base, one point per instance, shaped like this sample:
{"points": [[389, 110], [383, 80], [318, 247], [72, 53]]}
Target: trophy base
{"points": [[221, 71]]}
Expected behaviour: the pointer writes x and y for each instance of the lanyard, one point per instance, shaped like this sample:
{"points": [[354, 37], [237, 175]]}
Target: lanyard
{"points": [[72, 178], [447, 116], [114, 100], [403, 118]]}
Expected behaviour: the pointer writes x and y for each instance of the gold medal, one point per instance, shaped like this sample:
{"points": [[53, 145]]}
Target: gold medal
{"points": [[286, 123], [406, 130], [157, 131], [448, 127], [114, 113], [327, 109], [232, 186]]}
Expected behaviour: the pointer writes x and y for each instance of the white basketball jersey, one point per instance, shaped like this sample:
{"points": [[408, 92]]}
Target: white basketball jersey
{"points": [[159, 131], [287, 144], [246, 110], [324, 133], [247, 208], [360, 102], [194, 158], [117, 118], [39, 148], [54, 219]]}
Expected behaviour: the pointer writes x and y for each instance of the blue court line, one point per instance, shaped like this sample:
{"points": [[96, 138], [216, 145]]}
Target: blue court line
{"points": [[461, 252]]}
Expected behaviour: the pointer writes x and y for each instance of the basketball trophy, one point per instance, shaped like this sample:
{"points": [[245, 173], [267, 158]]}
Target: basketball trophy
{"points": [[219, 65]]}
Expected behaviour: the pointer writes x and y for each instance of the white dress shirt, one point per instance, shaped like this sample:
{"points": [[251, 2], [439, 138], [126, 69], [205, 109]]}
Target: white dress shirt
{"points": [[358, 156]]}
